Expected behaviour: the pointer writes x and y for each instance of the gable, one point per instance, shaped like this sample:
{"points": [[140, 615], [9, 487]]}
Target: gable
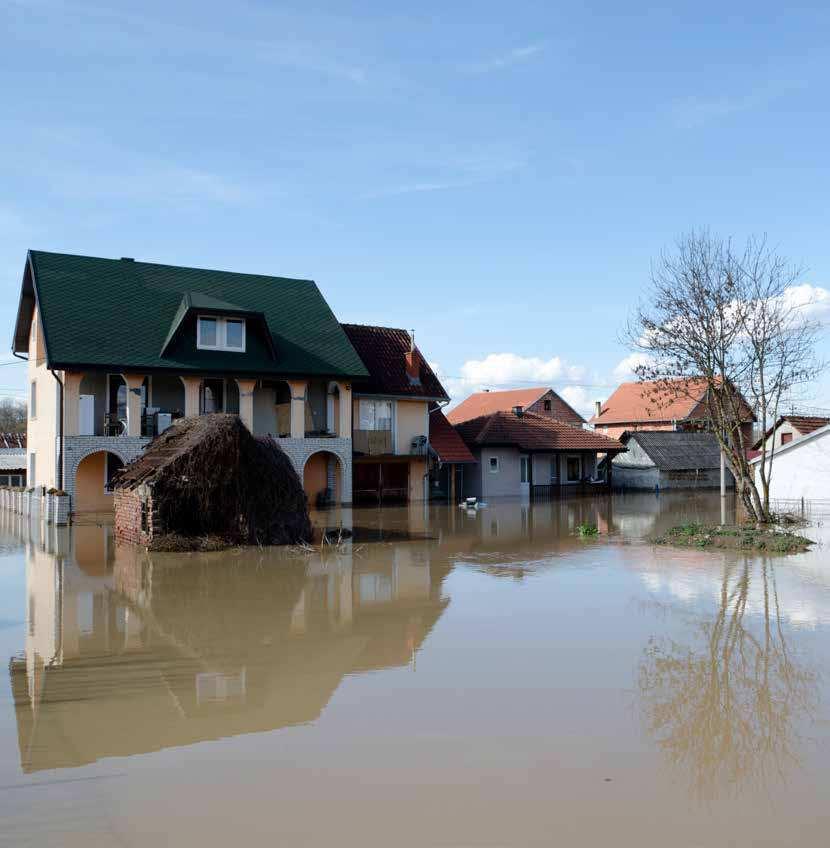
{"points": [[109, 312]]}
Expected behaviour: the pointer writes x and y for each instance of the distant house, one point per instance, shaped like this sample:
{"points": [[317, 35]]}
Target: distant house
{"points": [[450, 458], [12, 459], [523, 454], [390, 436], [789, 428], [800, 468], [540, 401], [649, 405], [669, 460]]}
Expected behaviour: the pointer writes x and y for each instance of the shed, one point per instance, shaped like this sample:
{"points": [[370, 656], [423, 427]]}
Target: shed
{"points": [[207, 476], [669, 460]]}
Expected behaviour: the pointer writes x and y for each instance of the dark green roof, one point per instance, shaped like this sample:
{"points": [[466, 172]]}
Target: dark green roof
{"points": [[121, 313]]}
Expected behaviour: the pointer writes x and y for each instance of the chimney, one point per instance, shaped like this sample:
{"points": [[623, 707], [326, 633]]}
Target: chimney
{"points": [[518, 411], [597, 408], [413, 365]]}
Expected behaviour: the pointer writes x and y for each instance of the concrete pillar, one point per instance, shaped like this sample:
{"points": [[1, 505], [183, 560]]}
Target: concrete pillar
{"points": [[191, 395], [246, 402], [134, 383], [344, 424], [72, 403], [298, 393]]}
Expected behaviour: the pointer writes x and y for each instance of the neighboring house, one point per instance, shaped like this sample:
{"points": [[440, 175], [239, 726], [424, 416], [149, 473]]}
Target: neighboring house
{"points": [[391, 415], [540, 401], [524, 454], [648, 405], [12, 459], [449, 458], [117, 349], [669, 460], [789, 428], [800, 468]]}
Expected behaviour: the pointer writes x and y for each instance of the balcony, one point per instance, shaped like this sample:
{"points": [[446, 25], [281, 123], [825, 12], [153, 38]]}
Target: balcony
{"points": [[372, 442]]}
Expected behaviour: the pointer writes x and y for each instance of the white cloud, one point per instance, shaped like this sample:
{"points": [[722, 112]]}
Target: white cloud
{"points": [[510, 371], [814, 300], [581, 399], [504, 60], [625, 368]]}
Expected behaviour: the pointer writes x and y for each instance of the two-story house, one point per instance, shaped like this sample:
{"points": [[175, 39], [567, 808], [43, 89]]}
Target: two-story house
{"points": [[118, 349], [391, 416]]}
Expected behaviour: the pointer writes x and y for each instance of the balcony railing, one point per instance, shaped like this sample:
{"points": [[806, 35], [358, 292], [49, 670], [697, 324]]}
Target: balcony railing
{"points": [[372, 442]]}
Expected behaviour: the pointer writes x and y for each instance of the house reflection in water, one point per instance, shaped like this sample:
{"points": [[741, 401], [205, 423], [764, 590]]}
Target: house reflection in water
{"points": [[128, 652]]}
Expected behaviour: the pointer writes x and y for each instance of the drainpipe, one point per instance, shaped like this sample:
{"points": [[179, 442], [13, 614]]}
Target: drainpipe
{"points": [[60, 429]]}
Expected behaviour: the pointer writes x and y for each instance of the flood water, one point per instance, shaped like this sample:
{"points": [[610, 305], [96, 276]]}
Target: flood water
{"points": [[448, 678]]}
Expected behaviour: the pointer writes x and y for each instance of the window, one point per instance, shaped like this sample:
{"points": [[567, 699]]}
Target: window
{"points": [[32, 467], [33, 399], [375, 415], [494, 465], [554, 469], [547, 406], [220, 333], [524, 469], [786, 438], [574, 469]]}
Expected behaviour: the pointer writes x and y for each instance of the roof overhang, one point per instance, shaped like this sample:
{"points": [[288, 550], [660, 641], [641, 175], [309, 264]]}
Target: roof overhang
{"points": [[25, 309]]}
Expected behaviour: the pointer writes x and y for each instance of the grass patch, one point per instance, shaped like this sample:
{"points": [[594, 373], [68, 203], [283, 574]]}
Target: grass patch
{"points": [[587, 531], [743, 538]]}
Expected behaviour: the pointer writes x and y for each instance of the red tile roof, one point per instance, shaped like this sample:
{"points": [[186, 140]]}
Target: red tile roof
{"points": [[533, 432], [805, 424], [483, 403], [444, 440], [383, 351], [652, 402]]}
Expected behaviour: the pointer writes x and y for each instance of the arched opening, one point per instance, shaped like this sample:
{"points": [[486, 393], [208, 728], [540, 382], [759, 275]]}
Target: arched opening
{"points": [[272, 408], [323, 479], [92, 482]]}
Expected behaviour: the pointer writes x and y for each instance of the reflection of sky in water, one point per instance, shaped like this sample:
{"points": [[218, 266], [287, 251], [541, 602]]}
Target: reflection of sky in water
{"points": [[802, 580]]}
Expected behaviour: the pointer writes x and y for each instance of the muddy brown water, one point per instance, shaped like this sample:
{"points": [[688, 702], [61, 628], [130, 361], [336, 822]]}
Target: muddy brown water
{"points": [[447, 678]]}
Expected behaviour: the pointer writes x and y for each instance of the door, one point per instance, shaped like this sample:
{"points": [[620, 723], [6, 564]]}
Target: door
{"points": [[86, 412], [524, 475]]}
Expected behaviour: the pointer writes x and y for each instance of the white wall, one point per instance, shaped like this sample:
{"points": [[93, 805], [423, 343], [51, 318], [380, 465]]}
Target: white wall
{"points": [[42, 429], [802, 471]]}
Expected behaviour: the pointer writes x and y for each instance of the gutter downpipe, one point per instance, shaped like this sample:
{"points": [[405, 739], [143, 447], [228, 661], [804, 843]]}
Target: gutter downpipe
{"points": [[60, 429]]}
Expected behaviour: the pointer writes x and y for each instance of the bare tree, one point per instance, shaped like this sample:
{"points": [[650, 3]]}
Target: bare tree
{"points": [[12, 416], [726, 321]]}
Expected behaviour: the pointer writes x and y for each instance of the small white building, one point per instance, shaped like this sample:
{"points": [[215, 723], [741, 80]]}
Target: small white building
{"points": [[800, 468]]}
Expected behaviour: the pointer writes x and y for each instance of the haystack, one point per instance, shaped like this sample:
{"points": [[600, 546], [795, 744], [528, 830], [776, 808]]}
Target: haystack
{"points": [[208, 477]]}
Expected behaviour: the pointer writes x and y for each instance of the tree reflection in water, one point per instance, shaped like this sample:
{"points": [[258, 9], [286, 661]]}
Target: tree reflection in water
{"points": [[725, 710]]}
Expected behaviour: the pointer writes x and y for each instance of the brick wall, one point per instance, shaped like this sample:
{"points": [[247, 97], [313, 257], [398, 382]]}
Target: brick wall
{"points": [[130, 505]]}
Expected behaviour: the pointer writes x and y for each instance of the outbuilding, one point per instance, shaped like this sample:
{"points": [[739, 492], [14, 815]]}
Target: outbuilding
{"points": [[208, 477], [669, 459]]}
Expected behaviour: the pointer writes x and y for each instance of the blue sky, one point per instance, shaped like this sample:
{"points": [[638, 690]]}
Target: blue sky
{"points": [[495, 176]]}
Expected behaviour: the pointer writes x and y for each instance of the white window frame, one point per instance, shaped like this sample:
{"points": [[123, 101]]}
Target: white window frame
{"points": [[493, 465], [524, 468], [374, 405], [221, 333]]}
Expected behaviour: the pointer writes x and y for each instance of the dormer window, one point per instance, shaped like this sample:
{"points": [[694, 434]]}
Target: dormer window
{"points": [[214, 333]]}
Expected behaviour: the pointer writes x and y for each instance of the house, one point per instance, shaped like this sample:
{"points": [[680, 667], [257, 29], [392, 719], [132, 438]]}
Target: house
{"points": [[789, 428], [390, 437], [800, 468], [539, 401], [661, 405], [449, 456], [524, 454], [671, 459], [12, 459], [118, 349], [207, 476]]}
